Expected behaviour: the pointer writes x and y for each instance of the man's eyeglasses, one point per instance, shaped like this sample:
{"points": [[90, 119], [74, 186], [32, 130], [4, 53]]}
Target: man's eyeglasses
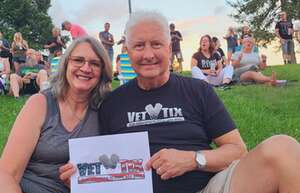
{"points": [[79, 61]]}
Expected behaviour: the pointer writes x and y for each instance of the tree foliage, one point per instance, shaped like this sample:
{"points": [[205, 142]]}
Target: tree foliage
{"points": [[261, 15], [29, 17]]}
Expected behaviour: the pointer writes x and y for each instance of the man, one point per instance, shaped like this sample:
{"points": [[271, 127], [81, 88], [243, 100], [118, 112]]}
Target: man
{"points": [[284, 31], [107, 40], [31, 77], [183, 116], [55, 43], [176, 37], [75, 30]]}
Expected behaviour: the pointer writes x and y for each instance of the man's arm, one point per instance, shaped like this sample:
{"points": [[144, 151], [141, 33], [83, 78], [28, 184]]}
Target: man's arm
{"points": [[170, 163], [105, 41]]}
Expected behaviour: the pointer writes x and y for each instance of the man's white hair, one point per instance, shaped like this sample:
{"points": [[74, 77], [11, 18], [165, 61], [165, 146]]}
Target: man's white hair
{"points": [[147, 16]]}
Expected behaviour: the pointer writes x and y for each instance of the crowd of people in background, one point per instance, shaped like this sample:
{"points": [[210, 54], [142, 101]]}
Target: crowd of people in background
{"points": [[25, 71]]}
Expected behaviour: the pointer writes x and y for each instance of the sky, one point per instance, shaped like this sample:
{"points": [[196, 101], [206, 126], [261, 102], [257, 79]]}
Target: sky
{"points": [[193, 18]]}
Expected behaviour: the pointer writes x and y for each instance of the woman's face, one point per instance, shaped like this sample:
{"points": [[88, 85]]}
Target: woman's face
{"points": [[18, 36], [204, 43], [83, 69], [248, 43]]}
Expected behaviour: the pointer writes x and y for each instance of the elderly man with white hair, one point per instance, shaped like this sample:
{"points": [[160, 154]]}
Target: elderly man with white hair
{"points": [[183, 116]]}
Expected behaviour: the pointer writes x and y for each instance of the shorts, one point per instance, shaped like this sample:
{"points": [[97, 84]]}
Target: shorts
{"points": [[178, 55], [30, 88], [287, 46], [231, 49], [19, 59], [220, 183]]}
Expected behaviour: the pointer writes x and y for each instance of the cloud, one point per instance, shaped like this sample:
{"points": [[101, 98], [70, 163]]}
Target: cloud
{"points": [[220, 10], [95, 10], [88, 12], [57, 12]]}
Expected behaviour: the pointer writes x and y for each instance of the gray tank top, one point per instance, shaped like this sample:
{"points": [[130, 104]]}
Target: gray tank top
{"points": [[52, 151]]}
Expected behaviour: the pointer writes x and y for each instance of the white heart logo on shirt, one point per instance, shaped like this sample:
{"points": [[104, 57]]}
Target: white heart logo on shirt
{"points": [[153, 111]]}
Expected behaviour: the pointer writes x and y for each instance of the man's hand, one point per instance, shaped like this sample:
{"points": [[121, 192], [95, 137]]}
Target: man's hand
{"points": [[170, 163], [65, 173]]}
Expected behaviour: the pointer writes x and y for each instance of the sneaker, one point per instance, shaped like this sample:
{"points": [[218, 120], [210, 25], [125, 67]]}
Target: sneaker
{"points": [[281, 82], [224, 86]]}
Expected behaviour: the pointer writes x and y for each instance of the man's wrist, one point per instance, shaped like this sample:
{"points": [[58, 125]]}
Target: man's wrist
{"points": [[200, 160]]}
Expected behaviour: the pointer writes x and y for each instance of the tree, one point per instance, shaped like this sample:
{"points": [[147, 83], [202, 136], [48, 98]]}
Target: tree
{"points": [[261, 15], [29, 17]]}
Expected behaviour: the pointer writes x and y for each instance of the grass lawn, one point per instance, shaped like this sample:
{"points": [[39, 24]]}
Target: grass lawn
{"points": [[259, 111]]}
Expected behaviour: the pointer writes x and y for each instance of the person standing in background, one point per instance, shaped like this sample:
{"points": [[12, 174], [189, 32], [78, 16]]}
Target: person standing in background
{"points": [[107, 40], [55, 43], [19, 47], [176, 37], [232, 42], [75, 30], [284, 31]]}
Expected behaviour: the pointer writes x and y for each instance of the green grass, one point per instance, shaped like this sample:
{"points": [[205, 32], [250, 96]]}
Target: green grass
{"points": [[259, 111]]}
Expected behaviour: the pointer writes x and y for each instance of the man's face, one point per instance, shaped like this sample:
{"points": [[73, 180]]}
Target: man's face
{"points": [[172, 27], [149, 51], [67, 27], [106, 27]]}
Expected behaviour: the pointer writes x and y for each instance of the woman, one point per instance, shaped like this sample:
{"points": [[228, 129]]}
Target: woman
{"points": [[207, 64], [19, 48], [217, 48], [38, 143], [247, 65], [232, 42]]}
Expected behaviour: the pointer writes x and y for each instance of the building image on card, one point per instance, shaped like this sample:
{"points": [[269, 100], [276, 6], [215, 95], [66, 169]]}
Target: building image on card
{"points": [[110, 169]]}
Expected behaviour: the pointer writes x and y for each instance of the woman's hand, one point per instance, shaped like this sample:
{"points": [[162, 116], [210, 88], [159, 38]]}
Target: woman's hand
{"points": [[65, 173]]}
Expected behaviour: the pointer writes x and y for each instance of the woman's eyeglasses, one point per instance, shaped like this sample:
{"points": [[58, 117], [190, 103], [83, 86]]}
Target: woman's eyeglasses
{"points": [[79, 61]]}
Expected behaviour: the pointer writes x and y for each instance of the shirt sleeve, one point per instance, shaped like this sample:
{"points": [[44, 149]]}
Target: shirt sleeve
{"points": [[217, 56], [277, 26]]}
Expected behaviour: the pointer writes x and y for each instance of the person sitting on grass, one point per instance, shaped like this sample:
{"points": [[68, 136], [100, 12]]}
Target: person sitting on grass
{"points": [[30, 77], [248, 65], [207, 64]]}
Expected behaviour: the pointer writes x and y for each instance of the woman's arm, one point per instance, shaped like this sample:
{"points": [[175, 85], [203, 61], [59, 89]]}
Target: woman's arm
{"points": [[194, 63], [25, 45], [236, 62], [21, 143]]}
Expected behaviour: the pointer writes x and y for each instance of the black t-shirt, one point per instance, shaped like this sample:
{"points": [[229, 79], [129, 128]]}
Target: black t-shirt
{"points": [[203, 62], [175, 41], [283, 27], [185, 114], [55, 48], [221, 54], [4, 53]]}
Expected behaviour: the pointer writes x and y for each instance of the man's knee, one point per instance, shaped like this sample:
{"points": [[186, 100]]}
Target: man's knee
{"points": [[42, 72], [13, 77], [276, 148]]}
